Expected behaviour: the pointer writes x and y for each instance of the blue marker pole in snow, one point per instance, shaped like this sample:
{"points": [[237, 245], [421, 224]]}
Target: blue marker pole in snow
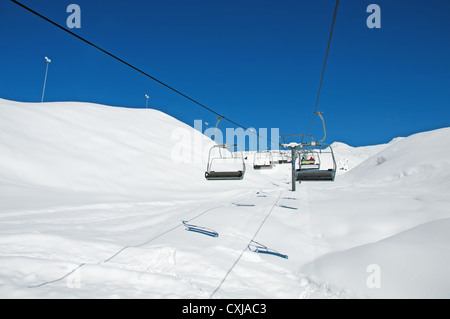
{"points": [[45, 78]]}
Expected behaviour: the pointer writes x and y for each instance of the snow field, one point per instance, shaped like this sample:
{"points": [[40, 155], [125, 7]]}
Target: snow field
{"points": [[92, 200]]}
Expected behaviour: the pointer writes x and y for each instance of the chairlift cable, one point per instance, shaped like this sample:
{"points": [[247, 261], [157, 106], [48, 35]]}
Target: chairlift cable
{"points": [[131, 66], [324, 64]]}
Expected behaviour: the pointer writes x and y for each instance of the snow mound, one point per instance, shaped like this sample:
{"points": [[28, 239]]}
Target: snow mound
{"points": [[54, 150], [348, 157], [89, 147], [411, 264], [421, 159]]}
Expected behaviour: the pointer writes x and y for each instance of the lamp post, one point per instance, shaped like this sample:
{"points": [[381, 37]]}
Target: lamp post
{"points": [[146, 100], [45, 78]]}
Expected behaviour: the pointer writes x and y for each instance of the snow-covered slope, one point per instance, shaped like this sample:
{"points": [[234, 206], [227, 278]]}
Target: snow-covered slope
{"points": [[421, 160], [88, 147], [97, 151], [391, 212], [92, 200], [348, 157], [411, 264]]}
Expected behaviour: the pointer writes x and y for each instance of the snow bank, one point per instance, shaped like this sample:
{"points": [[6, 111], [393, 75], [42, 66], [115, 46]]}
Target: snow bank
{"points": [[390, 215], [53, 150], [421, 160], [411, 264], [89, 147], [348, 157]]}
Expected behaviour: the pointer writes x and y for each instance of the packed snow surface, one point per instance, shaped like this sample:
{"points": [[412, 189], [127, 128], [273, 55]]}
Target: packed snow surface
{"points": [[93, 199]]}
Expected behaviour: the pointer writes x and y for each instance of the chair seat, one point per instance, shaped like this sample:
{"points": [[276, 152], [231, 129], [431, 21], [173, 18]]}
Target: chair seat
{"points": [[315, 175], [233, 175]]}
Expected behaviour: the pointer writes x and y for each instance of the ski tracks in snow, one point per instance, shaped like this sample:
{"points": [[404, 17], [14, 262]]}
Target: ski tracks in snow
{"points": [[161, 259]]}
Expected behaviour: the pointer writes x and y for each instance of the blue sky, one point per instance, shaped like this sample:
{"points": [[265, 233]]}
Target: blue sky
{"points": [[257, 62]]}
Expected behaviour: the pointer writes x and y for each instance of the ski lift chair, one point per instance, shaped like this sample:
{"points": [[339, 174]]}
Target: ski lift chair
{"points": [[309, 160], [324, 167], [224, 163], [285, 157], [263, 159]]}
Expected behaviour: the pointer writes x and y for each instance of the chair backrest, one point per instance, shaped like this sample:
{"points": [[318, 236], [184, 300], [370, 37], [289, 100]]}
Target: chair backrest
{"points": [[225, 158]]}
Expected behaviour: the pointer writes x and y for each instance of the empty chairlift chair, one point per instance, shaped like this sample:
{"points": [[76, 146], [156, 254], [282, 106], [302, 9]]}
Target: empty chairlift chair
{"points": [[281, 157], [316, 164], [285, 157], [225, 162], [263, 159]]}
